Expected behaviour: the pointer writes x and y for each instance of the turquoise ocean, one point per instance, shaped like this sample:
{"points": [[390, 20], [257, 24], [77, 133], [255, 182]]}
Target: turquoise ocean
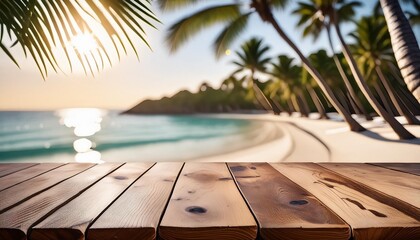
{"points": [[97, 135]]}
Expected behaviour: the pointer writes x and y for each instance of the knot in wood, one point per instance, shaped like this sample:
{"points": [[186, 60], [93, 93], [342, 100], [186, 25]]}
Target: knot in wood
{"points": [[120, 177], [196, 210], [298, 202]]}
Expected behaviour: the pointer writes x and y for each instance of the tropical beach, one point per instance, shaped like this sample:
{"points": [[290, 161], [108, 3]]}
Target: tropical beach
{"points": [[203, 120]]}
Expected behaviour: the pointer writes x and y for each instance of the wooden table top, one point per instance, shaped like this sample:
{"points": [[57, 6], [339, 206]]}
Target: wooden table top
{"points": [[175, 200]]}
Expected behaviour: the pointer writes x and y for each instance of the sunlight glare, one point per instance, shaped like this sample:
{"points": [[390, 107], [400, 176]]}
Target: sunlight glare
{"points": [[228, 52], [82, 145], [85, 121], [86, 130], [84, 43], [89, 157]]}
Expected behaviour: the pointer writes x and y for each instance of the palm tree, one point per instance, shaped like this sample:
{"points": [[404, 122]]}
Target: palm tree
{"points": [[329, 71], [328, 8], [287, 79], [315, 22], [280, 94], [40, 26], [373, 48], [251, 57], [404, 44], [236, 16], [311, 86]]}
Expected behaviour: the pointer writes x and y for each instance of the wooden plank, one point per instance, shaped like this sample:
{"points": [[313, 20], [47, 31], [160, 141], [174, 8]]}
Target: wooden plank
{"points": [[413, 168], [15, 223], [9, 168], [19, 193], [136, 214], [26, 174], [402, 189], [368, 218], [206, 204], [283, 209], [72, 220]]}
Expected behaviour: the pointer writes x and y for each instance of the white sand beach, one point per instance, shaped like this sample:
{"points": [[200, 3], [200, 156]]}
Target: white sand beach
{"points": [[310, 140]]}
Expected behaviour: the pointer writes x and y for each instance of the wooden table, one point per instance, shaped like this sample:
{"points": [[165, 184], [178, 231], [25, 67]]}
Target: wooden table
{"points": [[173, 200]]}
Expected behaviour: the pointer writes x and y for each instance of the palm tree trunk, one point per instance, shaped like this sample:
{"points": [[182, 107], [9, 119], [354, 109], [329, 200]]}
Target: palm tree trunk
{"points": [[317, 102], [349, 87], [404, 44], [406, 96], [413, 105], [303, 110], [343, 100], [402, 110], [277, 109], [304, 102], [291, 107], [395, 125], [259, 95], [266, 15], [353, 104], [384, 100], [298, 106]]}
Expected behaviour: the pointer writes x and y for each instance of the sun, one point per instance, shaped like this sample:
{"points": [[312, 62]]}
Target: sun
{"points": [[84, 43]]}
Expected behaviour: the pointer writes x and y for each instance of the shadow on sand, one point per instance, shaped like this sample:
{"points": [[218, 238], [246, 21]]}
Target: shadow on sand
{"points": [[377, 136]]}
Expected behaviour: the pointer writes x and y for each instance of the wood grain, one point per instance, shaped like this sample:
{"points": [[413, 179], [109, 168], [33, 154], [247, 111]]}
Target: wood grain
{"points": [[369, 218], [283, 209], [136, 214], [19, 193], [26, 174], [15, 223], [72, 220], [9, 168], [412, 168], [206, 204], [402, 189]]}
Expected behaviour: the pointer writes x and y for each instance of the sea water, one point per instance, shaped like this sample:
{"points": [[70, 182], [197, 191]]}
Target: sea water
{"points": [[97, 135]]}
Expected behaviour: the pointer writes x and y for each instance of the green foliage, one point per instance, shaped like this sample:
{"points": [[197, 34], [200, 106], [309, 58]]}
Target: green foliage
{"points": [[252, 56], [234, 17], [189, 26], [230, 33], [171, 5], [39, 26], [372, 44], [317, 15], [327, 68], [230, 97], [286, 78]]}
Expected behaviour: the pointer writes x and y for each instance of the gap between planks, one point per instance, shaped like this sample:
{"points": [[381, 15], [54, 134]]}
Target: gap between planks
{"points": [[18, 220]]}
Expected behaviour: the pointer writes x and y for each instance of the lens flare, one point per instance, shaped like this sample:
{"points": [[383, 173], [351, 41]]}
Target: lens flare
{"points": [[84, 43]]}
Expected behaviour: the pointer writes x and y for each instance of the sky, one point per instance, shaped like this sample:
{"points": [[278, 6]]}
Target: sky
{"points": [[158, 73]]}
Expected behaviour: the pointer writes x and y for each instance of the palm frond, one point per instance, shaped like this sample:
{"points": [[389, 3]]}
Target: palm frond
{"points": [[40, 27], [278, 4], [346, 11], [310, 18], [4, 48], [189, 26], [171, 5], [230, 33]]}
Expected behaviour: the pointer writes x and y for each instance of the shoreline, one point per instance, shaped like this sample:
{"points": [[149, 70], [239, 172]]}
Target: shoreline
{"points": [[279, 139], [319, 140]]}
